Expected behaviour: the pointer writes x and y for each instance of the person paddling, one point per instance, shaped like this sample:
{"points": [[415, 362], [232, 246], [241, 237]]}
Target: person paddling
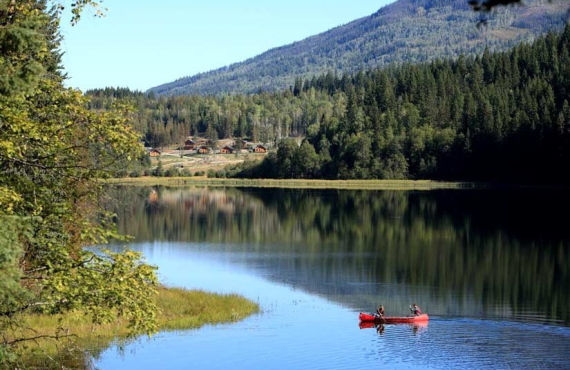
{"points": [[416, 311], [380, 311]]}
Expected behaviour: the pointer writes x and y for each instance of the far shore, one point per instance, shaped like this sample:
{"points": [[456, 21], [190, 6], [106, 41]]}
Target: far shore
{"points": [[293, 183]]}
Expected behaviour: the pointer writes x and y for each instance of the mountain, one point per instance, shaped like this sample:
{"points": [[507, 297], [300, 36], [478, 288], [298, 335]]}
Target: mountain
{"points": [[404, 31]]}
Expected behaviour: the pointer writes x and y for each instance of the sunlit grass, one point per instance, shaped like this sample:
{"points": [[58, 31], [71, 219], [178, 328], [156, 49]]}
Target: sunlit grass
{"points": [[179, 310], [182, 309], [294, 183]]}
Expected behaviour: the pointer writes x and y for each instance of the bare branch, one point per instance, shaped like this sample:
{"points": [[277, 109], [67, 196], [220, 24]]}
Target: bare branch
{"points": [[36, 338]]}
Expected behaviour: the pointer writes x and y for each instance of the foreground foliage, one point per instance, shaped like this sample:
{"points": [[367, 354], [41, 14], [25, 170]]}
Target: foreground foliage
{"points": [[52, 149], [179, 310]]}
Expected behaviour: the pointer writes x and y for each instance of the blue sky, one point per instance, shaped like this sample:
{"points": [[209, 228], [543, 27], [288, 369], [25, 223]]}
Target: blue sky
{"points": [[143, 43]]}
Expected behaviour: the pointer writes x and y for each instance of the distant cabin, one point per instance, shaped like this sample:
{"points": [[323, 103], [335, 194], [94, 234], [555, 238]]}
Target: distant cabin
{"points": [[203, 150], [227, 150], [155, 153], [189, 144], [260, 149]]}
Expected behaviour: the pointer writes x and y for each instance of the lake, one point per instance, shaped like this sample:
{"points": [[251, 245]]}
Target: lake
{"points": [[491, 267]]}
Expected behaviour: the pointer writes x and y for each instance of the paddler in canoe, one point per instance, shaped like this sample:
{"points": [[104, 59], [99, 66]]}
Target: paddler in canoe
{"points": [[416, 310], [380, 312], [379, 317]]}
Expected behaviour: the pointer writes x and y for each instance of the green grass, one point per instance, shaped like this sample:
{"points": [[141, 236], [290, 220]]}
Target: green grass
{"points": [[182, 309], [179, 310], [293, 183]]}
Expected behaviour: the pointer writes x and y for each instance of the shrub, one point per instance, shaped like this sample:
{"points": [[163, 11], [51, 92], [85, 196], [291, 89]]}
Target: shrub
{"points": [[158, 171], [121, 173], [171, 172]]}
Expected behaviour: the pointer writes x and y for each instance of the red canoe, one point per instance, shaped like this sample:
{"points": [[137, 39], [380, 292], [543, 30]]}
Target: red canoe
{"points": [[364, 317]]}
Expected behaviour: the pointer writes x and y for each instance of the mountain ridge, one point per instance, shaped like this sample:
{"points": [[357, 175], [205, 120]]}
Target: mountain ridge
{"points": [[401, 32]]}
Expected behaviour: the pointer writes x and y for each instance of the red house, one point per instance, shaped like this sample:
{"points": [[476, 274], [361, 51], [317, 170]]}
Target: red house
{"points": [[260, 149], [203, 150], [227, 150], [189, 144]]}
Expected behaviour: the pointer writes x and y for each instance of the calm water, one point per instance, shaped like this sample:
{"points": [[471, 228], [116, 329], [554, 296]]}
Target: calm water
{"points": [[491, 268]]}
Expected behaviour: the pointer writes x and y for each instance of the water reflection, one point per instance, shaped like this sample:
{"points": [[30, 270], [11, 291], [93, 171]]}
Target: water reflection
{"points": [[485, 254], [416, 328], [297, 330]]}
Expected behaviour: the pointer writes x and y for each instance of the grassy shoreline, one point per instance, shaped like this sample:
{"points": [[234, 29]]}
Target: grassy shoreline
{"points": [[293, 183], [180, 309]]}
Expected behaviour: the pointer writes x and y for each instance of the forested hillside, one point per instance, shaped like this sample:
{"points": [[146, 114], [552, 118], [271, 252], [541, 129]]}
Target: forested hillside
{"points": [[503, 116], [499, 116], [405, 31]]}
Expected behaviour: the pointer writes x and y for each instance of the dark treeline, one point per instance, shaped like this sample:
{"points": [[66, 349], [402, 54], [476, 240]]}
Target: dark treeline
{"points": [[502, 116], [265, 117]]}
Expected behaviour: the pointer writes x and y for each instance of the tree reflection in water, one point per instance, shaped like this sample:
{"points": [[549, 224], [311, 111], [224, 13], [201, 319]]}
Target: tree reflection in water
{"points": [[483, 253]]}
